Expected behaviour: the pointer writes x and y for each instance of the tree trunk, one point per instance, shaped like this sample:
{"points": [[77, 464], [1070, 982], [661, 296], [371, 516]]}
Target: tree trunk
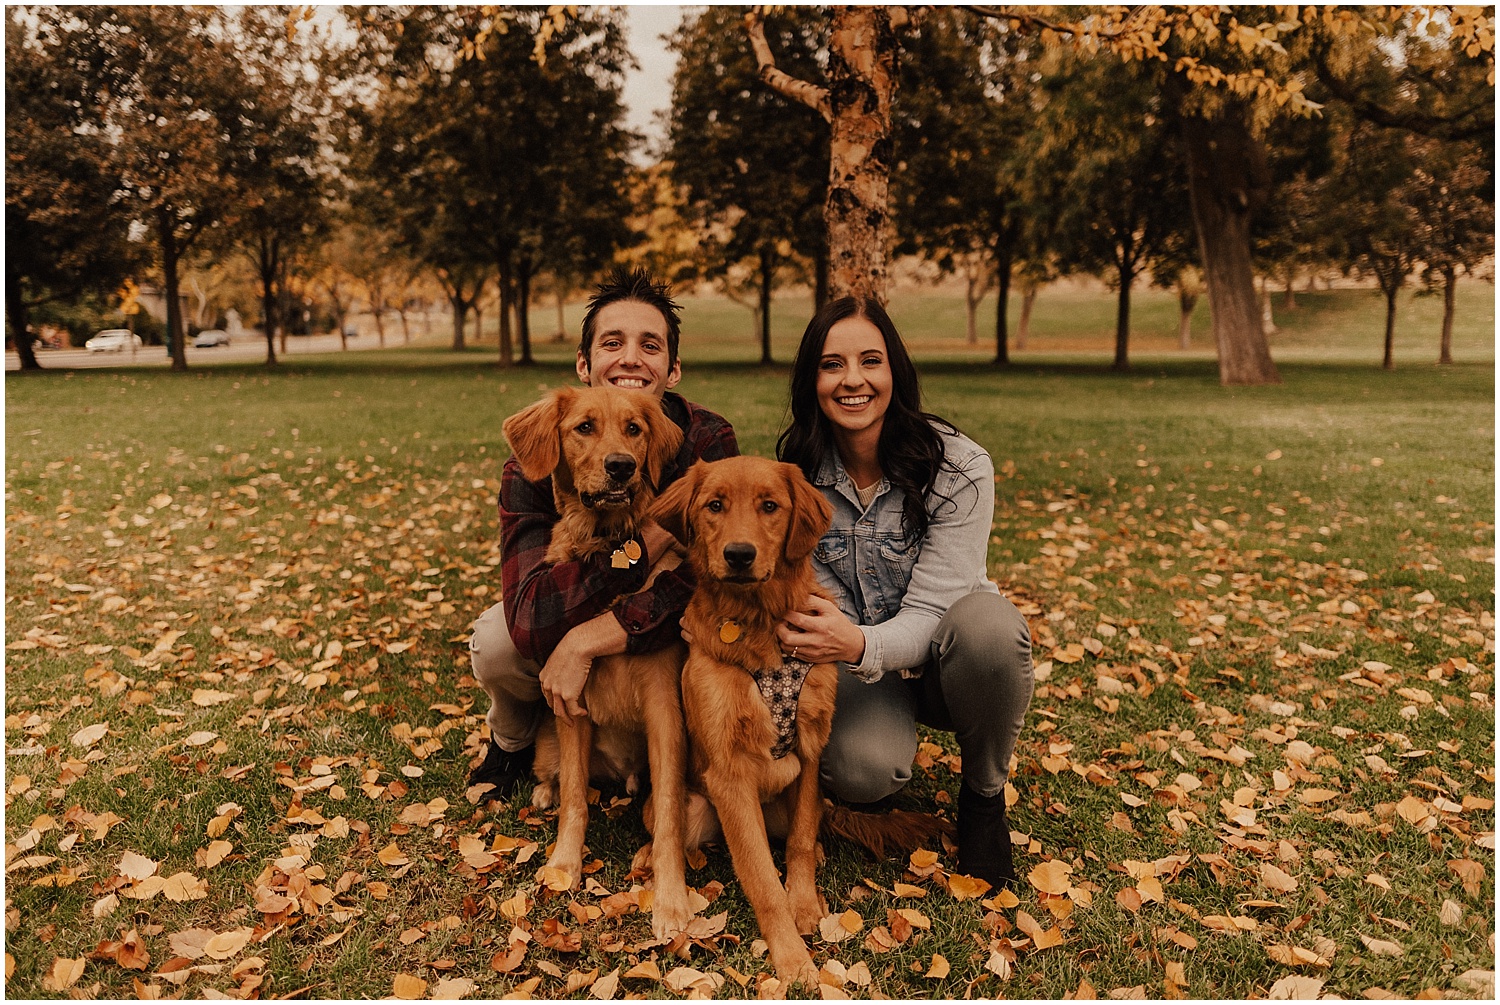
{"points": [[1122, 321], [507, 352], [169, 259], [1224, 165], [820, 278], [972, 295], [283, 305], [767, 274], [861, 82], [20, 328], [1003, 267], [523, 309], [857, 106], [1450, 283], [1289, 298], [478, 318], [405, 327], [379, 312], [460, 309], [1391, 290], [1185, 303], [268, 297], [1028, 300]]}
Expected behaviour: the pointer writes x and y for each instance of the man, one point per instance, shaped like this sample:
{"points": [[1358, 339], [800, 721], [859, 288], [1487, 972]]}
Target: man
{"points": [[532, 652]]}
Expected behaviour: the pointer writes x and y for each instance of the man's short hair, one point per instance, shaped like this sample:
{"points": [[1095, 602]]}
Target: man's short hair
{"points": [[633, 284]]}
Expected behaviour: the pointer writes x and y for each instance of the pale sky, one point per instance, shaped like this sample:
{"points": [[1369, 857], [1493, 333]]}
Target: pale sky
{"points": [[649, 89]]}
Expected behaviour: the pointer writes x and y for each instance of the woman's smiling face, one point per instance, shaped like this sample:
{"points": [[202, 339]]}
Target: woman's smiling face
{"points": [[854, 377]]}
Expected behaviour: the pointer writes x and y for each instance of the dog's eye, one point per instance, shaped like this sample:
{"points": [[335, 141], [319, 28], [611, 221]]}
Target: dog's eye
{"points": [[586, 427], [769, 506], [633, 428], [715, 506]]}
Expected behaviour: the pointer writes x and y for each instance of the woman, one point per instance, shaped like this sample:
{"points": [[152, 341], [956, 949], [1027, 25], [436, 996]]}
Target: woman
{"points": [[919, 631]]}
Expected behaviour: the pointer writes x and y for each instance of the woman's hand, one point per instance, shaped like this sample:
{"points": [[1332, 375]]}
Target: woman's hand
{"points": [[820, 633]]}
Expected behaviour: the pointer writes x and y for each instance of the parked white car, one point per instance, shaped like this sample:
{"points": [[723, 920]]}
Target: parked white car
{"points": [[113, 340], [211, 337]]}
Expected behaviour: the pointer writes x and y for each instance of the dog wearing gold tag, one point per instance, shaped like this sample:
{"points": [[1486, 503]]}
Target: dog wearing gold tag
{"points": [[605, 449], [758, 719]]}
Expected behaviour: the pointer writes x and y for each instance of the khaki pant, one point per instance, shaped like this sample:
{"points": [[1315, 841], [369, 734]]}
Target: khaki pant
{"points": [[510, 679]]}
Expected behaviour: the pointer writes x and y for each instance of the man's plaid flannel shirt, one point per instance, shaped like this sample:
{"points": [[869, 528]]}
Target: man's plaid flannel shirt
{"points": [[544, 602]]}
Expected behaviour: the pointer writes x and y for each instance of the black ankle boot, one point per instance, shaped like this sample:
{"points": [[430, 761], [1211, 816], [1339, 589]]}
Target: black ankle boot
{"points": [[502, 769], [984, 838]]}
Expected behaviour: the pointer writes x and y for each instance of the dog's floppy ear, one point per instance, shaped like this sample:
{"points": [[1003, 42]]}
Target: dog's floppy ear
{"points": [[533, 434], [666, 440], [811, 515], [671, 508]]}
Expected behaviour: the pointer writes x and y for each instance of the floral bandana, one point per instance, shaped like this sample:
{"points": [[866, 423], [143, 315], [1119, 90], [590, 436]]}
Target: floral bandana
{"points": [[780, 688]]}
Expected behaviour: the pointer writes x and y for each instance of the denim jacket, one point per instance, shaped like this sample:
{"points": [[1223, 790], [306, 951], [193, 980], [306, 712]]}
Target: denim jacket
{"points": [[898, 589]]}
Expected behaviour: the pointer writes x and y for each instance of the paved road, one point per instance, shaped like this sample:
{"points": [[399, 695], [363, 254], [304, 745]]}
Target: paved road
{"points": [[248, 348]]}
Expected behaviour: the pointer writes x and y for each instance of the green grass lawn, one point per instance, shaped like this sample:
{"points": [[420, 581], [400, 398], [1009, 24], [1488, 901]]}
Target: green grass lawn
{"points": [[1076, 321], [1261, 748]]}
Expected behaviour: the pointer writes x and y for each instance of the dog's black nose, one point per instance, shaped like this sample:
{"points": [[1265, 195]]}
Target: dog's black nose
{"points": [[620, 467], [739, 555]]}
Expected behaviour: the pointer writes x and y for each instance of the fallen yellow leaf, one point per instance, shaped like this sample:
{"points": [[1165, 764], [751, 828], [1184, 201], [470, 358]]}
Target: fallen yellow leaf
{"points": [[1051, 877], [185, 886], [392, 856], [63, 974], [408, 987]]}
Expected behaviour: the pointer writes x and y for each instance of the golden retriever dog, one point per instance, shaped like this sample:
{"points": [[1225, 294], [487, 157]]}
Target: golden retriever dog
{"points": [[750, 525], [756, 725], [605, 449]]}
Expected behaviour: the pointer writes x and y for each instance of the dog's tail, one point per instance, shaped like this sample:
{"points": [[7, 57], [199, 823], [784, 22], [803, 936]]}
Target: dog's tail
{"points": [[901, 831]]}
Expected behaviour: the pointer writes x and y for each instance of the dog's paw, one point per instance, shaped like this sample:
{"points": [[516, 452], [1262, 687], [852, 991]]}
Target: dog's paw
{"points": [[571, 868], [808, 909], [544, 795], [670, 914], [797, 970]]}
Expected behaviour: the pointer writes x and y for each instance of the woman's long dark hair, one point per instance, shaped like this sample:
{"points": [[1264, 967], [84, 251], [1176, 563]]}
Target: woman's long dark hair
{"points": [[910, 450]]}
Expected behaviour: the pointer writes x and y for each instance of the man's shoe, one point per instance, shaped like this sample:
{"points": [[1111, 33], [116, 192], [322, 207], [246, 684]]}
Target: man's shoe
{"points": [[984, 838], [503, 769]]}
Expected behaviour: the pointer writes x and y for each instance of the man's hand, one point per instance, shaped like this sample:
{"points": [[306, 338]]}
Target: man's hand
{"points": [[820, 633], [563, 678], [567, 670]]}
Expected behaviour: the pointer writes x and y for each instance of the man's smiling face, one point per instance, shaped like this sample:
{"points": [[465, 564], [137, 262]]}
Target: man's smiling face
{"points": [[630, 350]]}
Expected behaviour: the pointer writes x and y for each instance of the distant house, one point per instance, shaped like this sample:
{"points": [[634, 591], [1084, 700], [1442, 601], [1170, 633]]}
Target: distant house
{"points": [[153, 301]]}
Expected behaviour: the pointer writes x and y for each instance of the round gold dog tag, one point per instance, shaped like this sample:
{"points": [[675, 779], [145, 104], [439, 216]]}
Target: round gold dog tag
{"points": [[633, 550], [729, 631]]}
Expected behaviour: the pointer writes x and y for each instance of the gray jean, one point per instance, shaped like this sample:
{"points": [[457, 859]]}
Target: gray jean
{"points": [[977, 684], [510, 679]]}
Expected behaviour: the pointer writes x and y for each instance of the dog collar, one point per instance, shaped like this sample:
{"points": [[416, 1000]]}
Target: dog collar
{"points": [[626, 555], [780, 687]]}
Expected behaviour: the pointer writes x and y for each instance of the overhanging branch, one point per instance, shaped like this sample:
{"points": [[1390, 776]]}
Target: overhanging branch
{"points": [[783, 83]]}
